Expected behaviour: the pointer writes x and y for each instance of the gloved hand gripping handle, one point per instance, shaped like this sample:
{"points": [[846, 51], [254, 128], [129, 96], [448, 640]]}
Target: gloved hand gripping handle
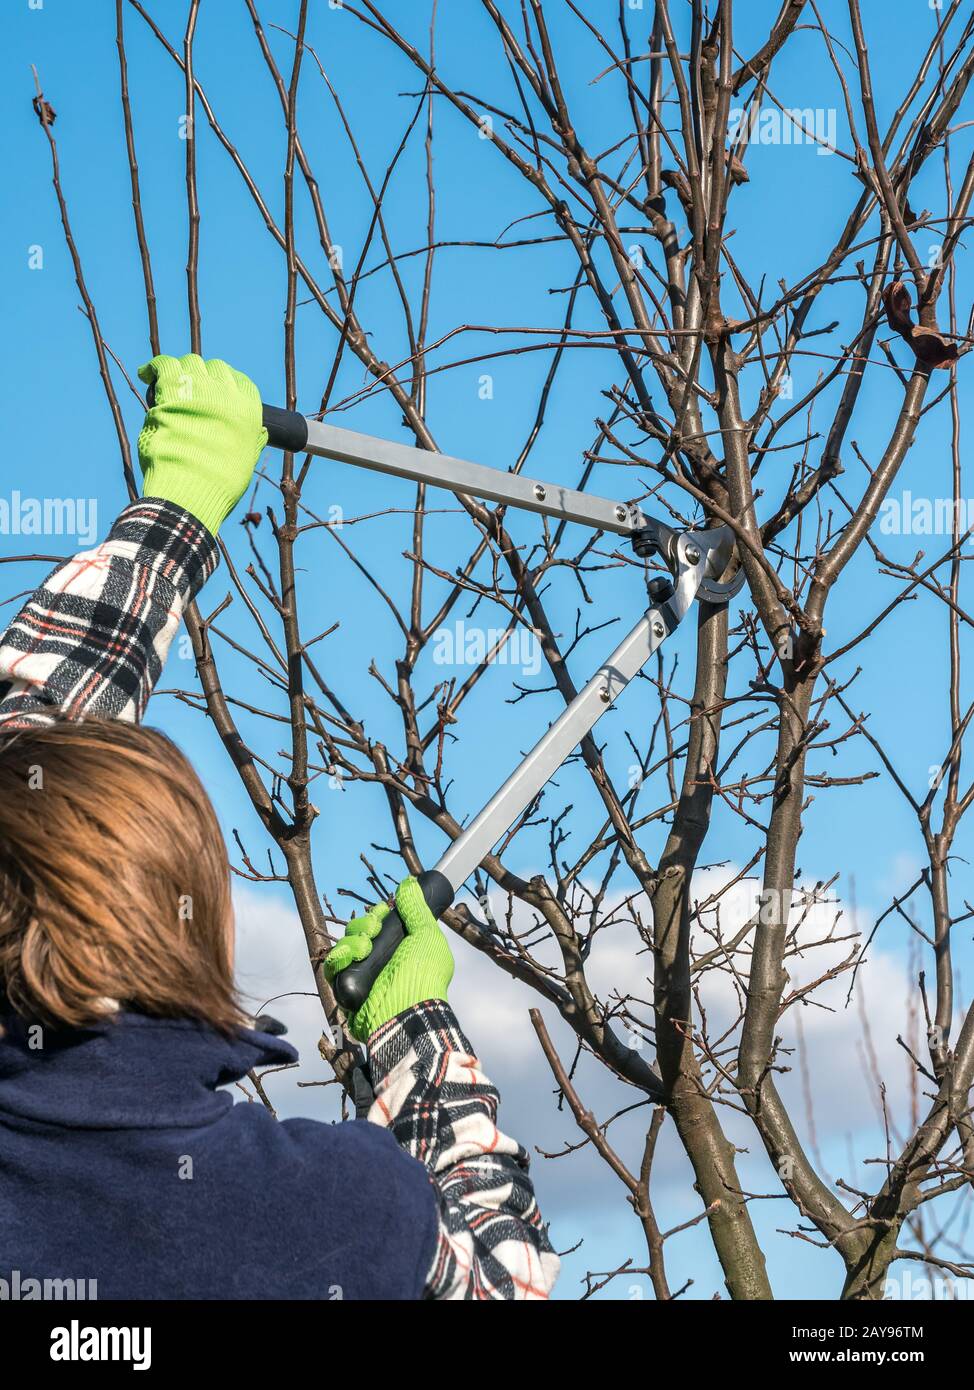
{"points": [[286, 429], [352, 984]]}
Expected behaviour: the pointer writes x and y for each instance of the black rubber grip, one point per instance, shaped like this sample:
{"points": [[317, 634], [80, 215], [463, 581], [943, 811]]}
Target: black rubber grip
{"points": [[352, 984], [286, 429]]}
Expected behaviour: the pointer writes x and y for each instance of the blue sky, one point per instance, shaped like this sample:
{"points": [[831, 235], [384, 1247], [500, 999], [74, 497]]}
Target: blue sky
{"points": [[61, 443]]}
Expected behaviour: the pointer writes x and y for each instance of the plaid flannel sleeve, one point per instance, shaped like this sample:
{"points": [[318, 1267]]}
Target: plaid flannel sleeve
{"points": [[92, 640], [442, 1109]]}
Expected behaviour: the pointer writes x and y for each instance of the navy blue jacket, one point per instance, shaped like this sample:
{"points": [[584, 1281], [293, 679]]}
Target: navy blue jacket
{"points": [[120, 1162]]}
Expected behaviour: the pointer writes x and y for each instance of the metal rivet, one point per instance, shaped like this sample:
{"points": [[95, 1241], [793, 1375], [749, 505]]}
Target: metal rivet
{"points": [[604, 695], [539, 492], [658, 628], [621, 513]]}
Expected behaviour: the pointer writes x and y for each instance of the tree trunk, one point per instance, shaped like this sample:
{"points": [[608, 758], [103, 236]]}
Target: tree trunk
{"points": [[709, 1151]]}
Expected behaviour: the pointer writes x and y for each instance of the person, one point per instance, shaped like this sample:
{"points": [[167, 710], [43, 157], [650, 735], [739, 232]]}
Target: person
{"points": [[124, 1161]]}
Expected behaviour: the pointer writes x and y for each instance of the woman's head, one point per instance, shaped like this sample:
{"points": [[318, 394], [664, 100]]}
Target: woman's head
{"points": [[114, 881]]}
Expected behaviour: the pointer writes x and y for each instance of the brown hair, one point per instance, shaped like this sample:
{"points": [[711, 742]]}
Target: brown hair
{"points": [[114, 880]]}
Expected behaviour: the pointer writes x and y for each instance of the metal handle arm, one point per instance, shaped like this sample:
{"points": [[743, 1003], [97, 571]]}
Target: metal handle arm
{"points": [[286, 429], [466, 852]]}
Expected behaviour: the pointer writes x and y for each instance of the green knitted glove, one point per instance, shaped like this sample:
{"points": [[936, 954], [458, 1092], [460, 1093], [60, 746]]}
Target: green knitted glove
{"points": [[202, 436], [421, 968]]}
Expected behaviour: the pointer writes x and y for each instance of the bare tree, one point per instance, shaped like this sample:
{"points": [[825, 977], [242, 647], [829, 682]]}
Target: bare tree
{"points": [[693, 360]]}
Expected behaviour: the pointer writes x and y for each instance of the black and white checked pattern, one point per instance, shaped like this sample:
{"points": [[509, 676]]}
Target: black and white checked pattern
{"points": [[92, 640], [432, 1094]]}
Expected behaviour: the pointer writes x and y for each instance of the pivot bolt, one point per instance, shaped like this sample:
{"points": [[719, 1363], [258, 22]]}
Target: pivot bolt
{"points": [[693, 554], [539, 492], [658, 629], [621, 513]]}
